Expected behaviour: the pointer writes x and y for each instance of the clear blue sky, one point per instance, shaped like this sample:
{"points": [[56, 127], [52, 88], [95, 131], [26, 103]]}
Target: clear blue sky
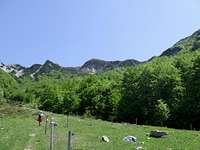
{"points": [[69, 32]]}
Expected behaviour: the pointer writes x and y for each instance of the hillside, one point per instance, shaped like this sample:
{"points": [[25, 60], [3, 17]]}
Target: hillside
{"points": [[20, 131], [188, 44]]}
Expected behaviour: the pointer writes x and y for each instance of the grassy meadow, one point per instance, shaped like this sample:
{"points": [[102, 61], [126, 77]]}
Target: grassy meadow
{"points": [[19, 131]]}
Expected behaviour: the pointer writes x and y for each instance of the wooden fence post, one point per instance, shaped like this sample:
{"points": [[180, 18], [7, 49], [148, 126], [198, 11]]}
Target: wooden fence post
{"points": [[191, 128], [136, 121], [46, 122], [69, 143], [53, 124]]}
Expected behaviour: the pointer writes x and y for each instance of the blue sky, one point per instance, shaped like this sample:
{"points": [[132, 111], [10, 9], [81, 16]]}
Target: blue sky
{"points": [[70, 32]]}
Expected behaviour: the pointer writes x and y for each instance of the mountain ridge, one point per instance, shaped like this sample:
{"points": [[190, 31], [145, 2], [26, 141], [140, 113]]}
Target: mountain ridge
{"points": [[92, 66]]}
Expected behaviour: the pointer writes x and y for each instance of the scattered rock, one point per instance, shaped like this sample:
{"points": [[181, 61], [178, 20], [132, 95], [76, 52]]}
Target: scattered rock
{"points": [[105, 139], [130, 138], [157, 134], [139, 148]]}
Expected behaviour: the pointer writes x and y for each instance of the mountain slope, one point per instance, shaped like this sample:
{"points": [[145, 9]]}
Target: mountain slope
{"points": [[190, 43]]}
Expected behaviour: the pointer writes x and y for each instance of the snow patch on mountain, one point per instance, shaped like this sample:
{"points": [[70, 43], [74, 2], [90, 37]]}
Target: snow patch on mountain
{"points": [[33, 74], [89, 70], [16, 70], [19, 73]]}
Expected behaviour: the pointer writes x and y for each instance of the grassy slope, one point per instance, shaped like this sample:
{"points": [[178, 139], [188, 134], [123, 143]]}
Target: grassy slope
{"points": [[18, 127]]}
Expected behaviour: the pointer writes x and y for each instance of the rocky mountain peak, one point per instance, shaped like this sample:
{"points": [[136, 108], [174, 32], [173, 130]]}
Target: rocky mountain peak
{"points": [[48, 62], [50, 65], [98, 65]]}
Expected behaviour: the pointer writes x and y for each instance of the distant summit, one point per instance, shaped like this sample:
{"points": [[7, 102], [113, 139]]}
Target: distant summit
{"points": [[90, 67], [97, 65]]}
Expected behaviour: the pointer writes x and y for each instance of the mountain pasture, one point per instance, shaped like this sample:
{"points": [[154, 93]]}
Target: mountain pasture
{"points": [[20, 131]]}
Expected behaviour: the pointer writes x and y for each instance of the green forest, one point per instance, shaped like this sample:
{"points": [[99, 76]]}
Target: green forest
{"points": [[164, 91]]}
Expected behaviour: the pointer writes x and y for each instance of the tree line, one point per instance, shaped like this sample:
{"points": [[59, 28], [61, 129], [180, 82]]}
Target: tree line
{"points": [[164, 91]]}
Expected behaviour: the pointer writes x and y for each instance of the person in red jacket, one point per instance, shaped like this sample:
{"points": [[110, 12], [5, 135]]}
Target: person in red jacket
{"points": [[39, 119]]}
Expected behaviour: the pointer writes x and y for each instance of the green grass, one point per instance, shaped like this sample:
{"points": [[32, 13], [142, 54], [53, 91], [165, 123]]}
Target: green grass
{"points": [[19, 130]]}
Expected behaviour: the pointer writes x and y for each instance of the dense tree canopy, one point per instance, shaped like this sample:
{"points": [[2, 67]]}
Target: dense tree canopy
{"points": [[144, 86], [7, 84], [164, 91]]}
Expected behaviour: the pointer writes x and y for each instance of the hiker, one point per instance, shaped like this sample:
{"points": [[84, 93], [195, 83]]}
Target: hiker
{"points": [[39, 119]]}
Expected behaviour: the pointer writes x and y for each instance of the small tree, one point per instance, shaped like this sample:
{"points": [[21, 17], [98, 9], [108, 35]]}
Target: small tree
{"points": [[161, 112]]}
